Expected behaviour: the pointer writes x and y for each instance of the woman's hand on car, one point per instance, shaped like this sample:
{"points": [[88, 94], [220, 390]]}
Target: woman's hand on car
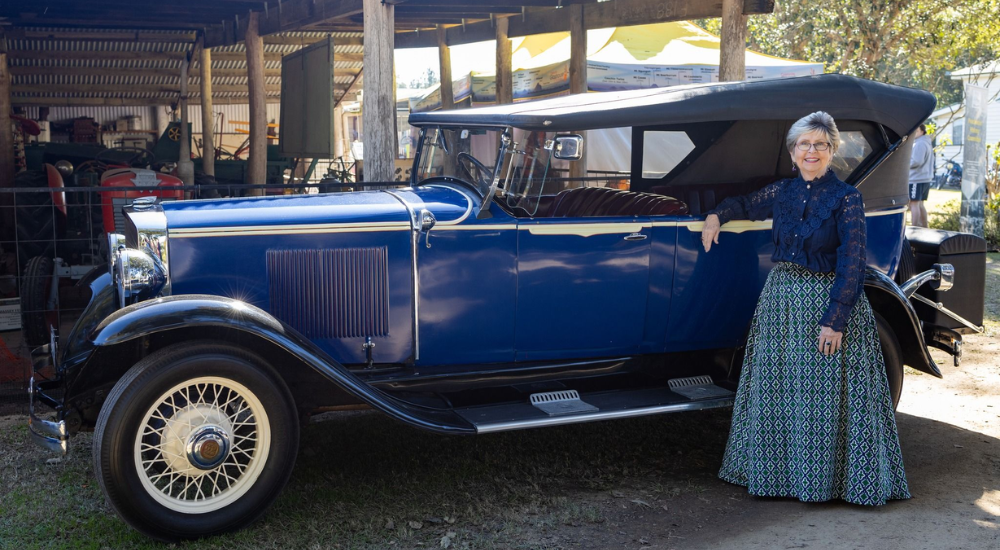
{"points": [[710, 231], [829, 340]]}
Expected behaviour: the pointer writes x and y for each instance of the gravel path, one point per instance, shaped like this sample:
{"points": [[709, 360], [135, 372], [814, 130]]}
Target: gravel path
{"points": [[950, 433]]}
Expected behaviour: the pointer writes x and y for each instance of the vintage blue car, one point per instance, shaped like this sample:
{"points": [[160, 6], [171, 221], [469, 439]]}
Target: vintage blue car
{"points": [[495, 293]]}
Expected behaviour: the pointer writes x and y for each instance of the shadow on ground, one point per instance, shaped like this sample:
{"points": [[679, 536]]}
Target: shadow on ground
{"points": [[364, 481]]}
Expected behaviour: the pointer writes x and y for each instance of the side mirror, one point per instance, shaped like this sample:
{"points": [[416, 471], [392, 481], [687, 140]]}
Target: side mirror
{"points": [[566, 147]]}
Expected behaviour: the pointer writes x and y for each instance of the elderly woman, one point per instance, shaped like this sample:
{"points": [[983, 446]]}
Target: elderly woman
{"points": [[813, 417]]}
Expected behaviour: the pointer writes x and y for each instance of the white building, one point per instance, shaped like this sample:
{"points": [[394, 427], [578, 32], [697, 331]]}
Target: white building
{"points": [[950, 120]]}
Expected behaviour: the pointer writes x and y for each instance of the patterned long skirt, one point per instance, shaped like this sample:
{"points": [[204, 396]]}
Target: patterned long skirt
{"points": [[805, 425]]}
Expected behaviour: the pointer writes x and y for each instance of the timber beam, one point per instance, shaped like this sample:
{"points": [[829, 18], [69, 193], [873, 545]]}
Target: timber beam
{"points": [[291, 15]]}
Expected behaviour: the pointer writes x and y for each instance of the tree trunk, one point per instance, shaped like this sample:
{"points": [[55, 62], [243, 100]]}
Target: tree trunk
{"points": [[185, 168], [6, 150], [257, 163], [732, 55], [504, 79], [577, 79], [379, 109], [444, 62], [207, 120]]}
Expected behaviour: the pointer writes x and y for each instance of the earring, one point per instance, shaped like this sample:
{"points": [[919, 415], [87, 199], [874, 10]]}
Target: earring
{"points": [[794, 167]]}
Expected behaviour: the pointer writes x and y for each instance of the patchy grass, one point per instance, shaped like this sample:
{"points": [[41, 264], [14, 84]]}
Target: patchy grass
{"points": [[363, 481]]}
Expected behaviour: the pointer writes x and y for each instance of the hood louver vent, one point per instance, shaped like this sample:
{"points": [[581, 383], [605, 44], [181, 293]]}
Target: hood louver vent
{"points": [[339, 293]]}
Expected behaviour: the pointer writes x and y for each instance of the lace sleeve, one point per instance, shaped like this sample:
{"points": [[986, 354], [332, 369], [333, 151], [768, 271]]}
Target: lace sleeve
{"points": [[851, 262], [758, 205]]}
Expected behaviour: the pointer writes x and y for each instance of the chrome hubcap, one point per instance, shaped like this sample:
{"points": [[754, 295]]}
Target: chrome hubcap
{"points": [[207, 447]]}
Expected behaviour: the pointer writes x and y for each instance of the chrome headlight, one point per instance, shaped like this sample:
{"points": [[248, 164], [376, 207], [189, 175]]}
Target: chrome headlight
{"points": [[138, 276], [116, 241], [141, 270]]}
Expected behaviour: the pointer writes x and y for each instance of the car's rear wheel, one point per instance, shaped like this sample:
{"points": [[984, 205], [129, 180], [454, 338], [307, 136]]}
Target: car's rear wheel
{"points": [[892, 355], [195, 440]]}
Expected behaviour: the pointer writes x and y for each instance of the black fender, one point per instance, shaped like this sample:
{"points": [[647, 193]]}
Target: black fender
{"points": [[192, 311], [888, 300]]}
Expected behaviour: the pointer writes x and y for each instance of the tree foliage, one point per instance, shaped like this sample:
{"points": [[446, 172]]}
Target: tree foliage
{"points": [[906, 42], [426, 80]]}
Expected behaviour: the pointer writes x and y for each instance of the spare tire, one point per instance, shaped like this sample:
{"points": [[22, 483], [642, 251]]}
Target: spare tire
{"points": [[36, 319], [907, 263]]}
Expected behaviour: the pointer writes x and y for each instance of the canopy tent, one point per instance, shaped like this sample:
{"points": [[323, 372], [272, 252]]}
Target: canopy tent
{"points": [[622, 58]]}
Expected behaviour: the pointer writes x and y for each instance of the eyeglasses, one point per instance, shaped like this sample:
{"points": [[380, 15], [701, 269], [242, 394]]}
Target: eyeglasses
{"points": [[819, 145]]}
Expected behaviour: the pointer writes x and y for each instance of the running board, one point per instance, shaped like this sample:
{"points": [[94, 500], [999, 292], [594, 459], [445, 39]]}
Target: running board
{"points": [[602, 406]]}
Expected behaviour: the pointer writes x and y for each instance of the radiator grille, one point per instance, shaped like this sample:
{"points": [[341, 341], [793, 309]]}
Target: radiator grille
{"points": [[339, 293]]}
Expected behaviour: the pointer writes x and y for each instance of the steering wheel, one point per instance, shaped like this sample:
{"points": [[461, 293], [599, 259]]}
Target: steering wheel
{"points": [[483, 175], [138, 157], [91, 167]]}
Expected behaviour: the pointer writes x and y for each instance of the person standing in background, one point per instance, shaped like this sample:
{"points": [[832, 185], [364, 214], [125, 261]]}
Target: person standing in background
{"points": [[921, 175]]}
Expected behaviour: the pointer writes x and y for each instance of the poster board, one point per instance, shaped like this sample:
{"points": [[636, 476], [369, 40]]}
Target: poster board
{"points": [[307, 102], [972, 214]]}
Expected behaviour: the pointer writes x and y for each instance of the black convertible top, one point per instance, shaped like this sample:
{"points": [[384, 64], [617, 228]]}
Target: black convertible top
{"points": [[844, 97]]}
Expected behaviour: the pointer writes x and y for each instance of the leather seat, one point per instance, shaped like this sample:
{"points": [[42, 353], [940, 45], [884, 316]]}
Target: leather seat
{"points": [[584, 202]]}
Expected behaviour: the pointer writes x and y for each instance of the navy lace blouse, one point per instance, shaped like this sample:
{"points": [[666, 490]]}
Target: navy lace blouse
{"points": [[819, 225]]}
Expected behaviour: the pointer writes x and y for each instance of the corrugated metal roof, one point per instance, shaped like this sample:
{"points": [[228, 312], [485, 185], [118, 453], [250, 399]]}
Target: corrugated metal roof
{"points": [[33, 64]]}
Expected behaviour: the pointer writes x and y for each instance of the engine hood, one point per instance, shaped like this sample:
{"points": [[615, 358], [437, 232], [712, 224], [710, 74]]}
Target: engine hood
{"points": [[360, 209], [261, 213]]}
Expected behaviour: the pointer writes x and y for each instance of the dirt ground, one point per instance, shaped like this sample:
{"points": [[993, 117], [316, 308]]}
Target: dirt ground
{"points": [[646, 483], [950, 434]]}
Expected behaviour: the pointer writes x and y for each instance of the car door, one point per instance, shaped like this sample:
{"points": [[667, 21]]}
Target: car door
{"points": [[582, 285]]}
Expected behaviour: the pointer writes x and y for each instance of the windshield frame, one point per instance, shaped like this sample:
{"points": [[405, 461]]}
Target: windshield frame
{"points": [[485, 192]]}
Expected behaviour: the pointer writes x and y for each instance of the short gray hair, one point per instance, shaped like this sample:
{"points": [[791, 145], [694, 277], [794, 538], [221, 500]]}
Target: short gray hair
{"points": [[819, 120]]}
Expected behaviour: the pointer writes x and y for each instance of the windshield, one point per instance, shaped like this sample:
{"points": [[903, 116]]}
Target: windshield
{"points": [[468, 154], [527, 171]]}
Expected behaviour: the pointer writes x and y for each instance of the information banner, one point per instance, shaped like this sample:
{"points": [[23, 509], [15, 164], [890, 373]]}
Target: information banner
{"points": [[974, 168], [553, 80]]}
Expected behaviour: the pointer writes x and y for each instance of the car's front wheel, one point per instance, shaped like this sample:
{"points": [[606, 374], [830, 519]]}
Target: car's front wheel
{"points": [[196, 439]]}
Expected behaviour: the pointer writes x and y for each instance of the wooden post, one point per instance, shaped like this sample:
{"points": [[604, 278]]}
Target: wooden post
{"points": [[732, 54], [504, 78], [257, 161], [185, 168], [444, 60], [338, 131], [379, 110], [207, 118], [577, 79], [6, 146]]}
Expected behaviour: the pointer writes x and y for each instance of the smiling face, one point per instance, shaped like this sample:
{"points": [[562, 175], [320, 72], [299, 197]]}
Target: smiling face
{"points": [[812, 163]]}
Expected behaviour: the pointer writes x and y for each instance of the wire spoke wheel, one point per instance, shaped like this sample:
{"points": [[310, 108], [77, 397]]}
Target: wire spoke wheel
{"points": [[196, 439], [203, 444]]}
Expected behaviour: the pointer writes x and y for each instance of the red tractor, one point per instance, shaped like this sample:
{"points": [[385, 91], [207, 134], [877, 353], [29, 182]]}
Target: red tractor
{"points": [[57, 245]]}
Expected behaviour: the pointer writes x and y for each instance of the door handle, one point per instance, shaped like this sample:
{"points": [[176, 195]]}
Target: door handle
{"points": [[636, 237]]}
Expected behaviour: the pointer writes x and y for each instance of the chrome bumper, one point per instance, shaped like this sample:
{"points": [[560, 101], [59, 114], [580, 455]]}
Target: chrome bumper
{"points": [[940, 277], [49, 435]]}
